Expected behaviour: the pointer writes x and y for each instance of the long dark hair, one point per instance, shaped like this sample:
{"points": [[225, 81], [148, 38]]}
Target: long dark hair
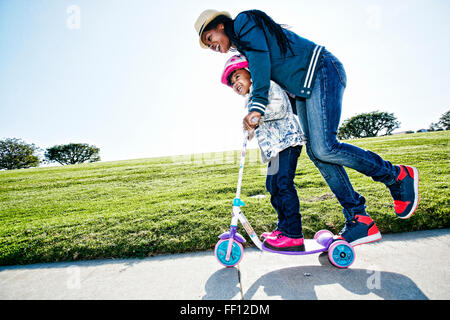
{"points": [[261, 20]]}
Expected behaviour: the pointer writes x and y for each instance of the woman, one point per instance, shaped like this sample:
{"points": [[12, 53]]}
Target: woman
{"points": [[317, 79]]}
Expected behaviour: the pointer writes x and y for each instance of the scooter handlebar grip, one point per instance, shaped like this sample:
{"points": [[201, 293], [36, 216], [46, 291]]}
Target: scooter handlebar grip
{"points": [[254, 120]]}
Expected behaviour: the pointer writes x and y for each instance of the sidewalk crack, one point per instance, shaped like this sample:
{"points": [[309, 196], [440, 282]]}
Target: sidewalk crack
{"points": [[240, 282]]}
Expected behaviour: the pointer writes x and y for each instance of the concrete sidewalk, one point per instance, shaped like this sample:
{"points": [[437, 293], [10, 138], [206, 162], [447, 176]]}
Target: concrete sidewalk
{"points": [[412, 265]]}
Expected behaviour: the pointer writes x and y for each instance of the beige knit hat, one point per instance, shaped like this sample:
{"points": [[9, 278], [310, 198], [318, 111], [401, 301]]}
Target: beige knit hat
{"points": [[204, 19]]}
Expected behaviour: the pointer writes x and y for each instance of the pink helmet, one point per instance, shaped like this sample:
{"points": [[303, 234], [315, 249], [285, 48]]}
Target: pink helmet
{"points": [[235, 62]]}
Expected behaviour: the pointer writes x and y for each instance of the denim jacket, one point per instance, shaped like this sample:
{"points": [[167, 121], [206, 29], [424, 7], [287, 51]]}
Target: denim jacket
{"points": [[279, 127]]}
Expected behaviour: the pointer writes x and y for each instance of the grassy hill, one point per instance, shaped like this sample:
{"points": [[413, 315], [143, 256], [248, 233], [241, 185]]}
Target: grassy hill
{"points": [[143, 207]]}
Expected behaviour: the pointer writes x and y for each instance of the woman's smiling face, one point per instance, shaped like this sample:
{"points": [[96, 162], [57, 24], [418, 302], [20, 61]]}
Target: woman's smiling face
{"points": [[216, 39]]}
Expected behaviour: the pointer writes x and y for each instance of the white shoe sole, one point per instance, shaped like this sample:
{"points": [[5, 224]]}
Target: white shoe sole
{"points": [[368, 239]]}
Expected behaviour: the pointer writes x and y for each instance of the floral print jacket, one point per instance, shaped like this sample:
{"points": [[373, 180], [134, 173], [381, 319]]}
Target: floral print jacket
{"points": [[279, 128]]}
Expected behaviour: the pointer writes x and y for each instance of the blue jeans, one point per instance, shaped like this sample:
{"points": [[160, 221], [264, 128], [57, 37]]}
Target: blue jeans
{"points": [[319, 118], [284, 198]]}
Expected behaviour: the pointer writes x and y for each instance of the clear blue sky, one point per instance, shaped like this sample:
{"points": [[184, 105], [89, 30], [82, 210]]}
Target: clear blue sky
{"points": [[131, 78]]}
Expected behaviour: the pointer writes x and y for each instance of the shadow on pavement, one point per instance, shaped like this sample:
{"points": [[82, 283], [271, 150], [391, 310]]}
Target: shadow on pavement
{"points": [[222, 285], [297, 283]]}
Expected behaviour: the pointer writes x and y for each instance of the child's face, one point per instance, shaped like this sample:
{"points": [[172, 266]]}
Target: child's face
{"points": [[241, 81]]}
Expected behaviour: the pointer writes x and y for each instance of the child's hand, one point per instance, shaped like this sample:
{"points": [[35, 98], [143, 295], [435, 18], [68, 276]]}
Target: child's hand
{"points": [[249, 121]]}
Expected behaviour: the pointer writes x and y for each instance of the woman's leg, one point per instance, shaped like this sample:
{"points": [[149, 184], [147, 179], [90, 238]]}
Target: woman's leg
{"points": [[323, 110], [319, 117], [359, 227], [334, 174]]}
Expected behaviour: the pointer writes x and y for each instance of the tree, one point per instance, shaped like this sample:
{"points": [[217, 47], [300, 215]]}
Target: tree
{"points": [[434, 127], [368, 125], [72, 153], [442, 124], [444, 120], [16, 154]]}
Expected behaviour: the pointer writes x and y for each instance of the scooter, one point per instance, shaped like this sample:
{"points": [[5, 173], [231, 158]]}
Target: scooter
{"points": [[229, 250]]}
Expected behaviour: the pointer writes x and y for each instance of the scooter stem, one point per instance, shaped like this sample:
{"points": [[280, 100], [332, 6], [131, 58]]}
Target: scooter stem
{"points": [[237, 201], [241, 165]]}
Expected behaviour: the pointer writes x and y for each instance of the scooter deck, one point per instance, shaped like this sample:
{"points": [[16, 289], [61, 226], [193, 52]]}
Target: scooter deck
{"points": [[311, 247]]}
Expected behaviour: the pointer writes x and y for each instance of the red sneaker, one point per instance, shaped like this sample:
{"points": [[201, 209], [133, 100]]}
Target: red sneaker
{"points": [[361, 229], [405, 192], [283, 243]]}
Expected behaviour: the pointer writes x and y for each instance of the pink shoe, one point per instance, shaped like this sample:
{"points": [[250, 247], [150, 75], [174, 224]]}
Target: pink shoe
{"points": [[270, 235], [283, 243]]}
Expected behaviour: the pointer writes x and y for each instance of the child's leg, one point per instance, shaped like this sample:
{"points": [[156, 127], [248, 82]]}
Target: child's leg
{"points": [[284, 195], [291, 237], [271, 186]]}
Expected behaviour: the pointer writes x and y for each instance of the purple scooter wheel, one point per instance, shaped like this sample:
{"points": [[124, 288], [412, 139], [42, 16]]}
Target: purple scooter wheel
{"points": [[324, 237], [323, 231]]}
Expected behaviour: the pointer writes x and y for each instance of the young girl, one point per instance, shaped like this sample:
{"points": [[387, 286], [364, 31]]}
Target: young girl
{"points": [[317, 79], [280, 139]]}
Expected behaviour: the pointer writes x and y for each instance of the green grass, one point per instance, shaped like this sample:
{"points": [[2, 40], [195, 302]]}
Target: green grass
{"points": [[143, 207]]}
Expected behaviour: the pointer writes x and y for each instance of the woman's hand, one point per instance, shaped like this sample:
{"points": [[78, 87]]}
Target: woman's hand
{"points": [[251, 121]]}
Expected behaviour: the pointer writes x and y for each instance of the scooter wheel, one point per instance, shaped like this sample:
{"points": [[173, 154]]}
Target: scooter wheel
{"points": [[237, 253], [318, 233], [341, 254]]}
